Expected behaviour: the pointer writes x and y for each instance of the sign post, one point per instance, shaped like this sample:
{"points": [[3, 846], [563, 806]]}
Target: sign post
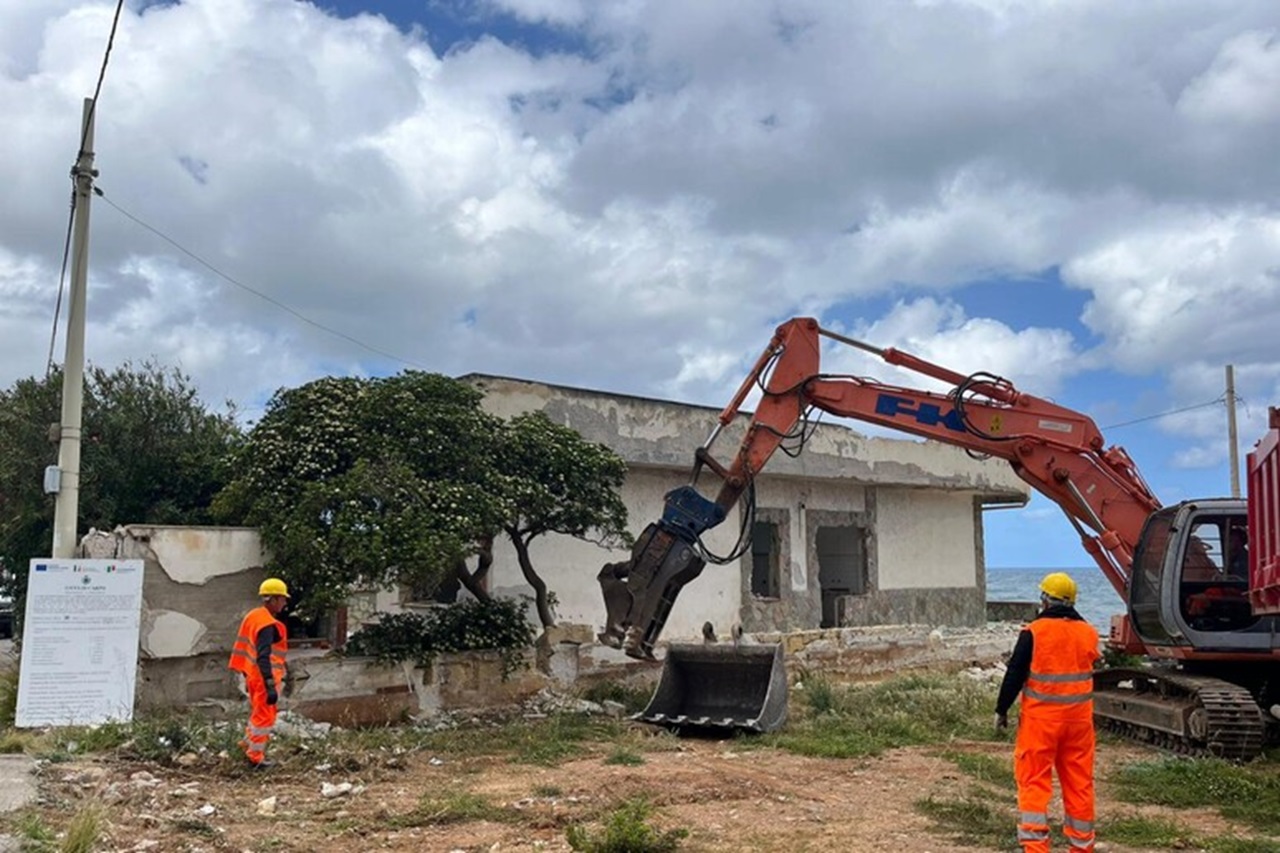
{"points": [[80, 642]]}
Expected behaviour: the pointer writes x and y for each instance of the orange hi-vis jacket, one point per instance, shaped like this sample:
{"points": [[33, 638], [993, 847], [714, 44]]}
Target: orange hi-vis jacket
{"points": [[244, 656], [1060, 683]]}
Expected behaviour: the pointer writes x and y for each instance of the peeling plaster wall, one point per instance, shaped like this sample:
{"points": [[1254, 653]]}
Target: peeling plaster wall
{"points": [[918, 501], [198, 582]]}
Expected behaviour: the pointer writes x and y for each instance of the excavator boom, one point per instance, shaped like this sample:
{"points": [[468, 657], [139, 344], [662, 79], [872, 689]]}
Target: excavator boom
{"points": [[1058, 451]]}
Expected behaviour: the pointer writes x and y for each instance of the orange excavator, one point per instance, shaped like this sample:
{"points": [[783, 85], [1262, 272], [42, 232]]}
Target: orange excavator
{"points": [[1201, 579]]}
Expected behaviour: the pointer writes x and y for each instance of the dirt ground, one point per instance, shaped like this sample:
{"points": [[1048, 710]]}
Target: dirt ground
{"points": [[729, 799]]}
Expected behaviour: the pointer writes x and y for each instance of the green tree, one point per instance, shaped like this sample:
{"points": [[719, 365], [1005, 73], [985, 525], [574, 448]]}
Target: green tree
{"points": [[367, 482], [558, 482], [151, 453], [400, 480]]}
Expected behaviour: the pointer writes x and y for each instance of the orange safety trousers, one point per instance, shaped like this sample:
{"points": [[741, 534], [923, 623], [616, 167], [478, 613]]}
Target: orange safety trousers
{"points": [[1064, 746], [262, 719]]}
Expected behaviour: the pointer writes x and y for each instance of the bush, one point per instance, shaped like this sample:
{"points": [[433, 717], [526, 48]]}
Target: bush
{"points": [[500, 624]]}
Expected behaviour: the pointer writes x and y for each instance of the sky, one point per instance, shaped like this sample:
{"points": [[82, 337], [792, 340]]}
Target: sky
{"points": [[1077, 195]]}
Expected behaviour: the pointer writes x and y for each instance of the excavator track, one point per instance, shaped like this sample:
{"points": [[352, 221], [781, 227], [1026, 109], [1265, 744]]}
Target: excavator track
{"points": [[1187, 714]]}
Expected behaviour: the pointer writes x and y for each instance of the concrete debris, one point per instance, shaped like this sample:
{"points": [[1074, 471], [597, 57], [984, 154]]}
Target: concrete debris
{"points": [[289, 724], [207, 810], [342, 789], [143, 779], [985, 674], [86, 777], [548, 702], [267, 807]]}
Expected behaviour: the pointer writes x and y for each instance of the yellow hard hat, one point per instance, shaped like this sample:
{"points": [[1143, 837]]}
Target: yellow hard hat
{"points": [[273, 586], [1059, 585]]}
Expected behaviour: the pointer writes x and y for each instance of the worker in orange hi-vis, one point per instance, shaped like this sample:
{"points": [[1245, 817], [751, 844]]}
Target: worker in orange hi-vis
{"points": [[1052, 667], [259, 655]]}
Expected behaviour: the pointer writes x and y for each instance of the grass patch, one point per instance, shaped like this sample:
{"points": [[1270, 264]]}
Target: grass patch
{"points": [[82, 834], [559, 738], [972, 820], [13, 742], [625, 757], [633, 699], [1249, 794], [8, 697], [1138, 831], [866, 720], [548, 791], [820, 695], [35, 834], [452, 807], [158, 739], [83, 831], [626, 829], [985, 768]]}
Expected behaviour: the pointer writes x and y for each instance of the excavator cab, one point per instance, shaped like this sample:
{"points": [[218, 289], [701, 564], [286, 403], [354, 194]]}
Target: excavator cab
{"points": [[1190, 584]]}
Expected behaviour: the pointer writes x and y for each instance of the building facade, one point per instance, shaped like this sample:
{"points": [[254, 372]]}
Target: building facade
{"points": [[853, 531]]}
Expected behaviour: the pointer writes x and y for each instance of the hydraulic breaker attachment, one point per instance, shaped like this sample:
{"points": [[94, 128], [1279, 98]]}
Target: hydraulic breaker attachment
{"points": [[720, 686], [639, 593]]}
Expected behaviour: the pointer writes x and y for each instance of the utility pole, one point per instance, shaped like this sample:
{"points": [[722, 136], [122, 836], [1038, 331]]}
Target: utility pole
{"points": [[1231, 432], [66, 510]]}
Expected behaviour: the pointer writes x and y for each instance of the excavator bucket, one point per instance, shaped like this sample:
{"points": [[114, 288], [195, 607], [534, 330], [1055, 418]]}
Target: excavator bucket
{"points": [[720, 686]]}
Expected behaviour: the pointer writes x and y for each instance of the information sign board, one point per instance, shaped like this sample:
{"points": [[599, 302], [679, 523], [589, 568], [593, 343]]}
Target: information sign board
{"points": [[79, 642]]}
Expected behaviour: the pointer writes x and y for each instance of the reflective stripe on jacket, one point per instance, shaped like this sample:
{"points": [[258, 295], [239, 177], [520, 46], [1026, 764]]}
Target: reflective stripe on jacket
{"points": [[244, 656], [1060, 683]]}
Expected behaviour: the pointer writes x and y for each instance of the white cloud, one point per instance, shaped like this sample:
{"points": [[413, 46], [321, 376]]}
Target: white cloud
{"points": [[1242, 86], [1185, 285], [639, 217], [1035, 360]]}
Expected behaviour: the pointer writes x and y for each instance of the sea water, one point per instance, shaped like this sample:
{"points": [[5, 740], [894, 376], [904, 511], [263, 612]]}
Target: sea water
{"points": [[1096, 600]]}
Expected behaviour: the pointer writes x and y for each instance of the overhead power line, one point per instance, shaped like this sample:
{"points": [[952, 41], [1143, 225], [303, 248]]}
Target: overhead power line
{"points": [[84, 131], [1218, 402], [258, 293]]}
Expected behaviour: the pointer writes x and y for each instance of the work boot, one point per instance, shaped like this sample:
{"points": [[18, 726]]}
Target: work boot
{"points": [[264, 764]]}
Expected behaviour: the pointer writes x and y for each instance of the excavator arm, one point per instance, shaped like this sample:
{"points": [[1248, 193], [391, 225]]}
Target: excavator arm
{"points": [[1058, 451]]}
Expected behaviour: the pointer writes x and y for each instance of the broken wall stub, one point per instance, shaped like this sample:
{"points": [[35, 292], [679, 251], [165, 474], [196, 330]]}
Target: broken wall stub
{"points": [[351, 692], [478, 680], [857, 654]]}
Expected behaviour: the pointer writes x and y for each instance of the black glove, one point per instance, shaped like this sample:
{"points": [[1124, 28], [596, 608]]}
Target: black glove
{"points": [[1002, 721], [272, 698]]}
